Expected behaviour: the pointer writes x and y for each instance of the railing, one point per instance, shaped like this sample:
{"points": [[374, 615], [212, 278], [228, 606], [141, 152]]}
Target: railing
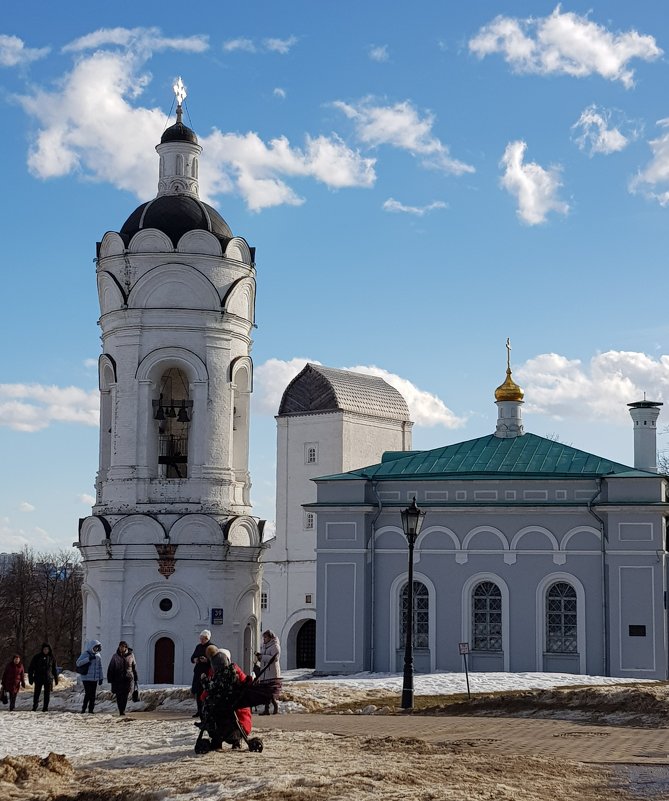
{"points": [[172, 450]]}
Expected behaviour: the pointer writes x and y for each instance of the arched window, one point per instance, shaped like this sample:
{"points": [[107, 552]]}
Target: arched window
{"points": [[194, 168], [487, 617], [180, 164], [421, 615], [561, 625], [173, 411]]}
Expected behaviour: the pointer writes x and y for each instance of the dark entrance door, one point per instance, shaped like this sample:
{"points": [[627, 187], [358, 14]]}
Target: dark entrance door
{"points": [[305, 646], [163, 661]]}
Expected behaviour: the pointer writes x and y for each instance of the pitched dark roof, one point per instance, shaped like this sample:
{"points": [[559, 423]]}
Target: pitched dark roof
{"points": [[320, 389], [490, 456]]}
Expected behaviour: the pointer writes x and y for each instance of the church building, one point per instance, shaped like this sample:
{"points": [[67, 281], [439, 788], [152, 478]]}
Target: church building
{"points": [[172, 547], [329, 420], [533, 556]]}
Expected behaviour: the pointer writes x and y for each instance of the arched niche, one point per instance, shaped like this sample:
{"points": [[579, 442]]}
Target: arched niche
{"points": [[150, 240], [137, 530], [107, 384], [534, 538], [112, 245], [242, 531], [238, 250], [240, 299], [200, 242], [110, 293], [437, 538], [94, 531], [390, 538], [174, 286], [196, 529], [581, 538], [485, 538]]}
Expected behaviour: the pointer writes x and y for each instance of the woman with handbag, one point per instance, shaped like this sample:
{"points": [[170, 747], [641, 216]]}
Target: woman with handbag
{"points": [[122, 675], [13, 678]]}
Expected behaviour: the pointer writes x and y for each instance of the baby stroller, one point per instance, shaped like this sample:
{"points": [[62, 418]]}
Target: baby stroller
{"points": [[228, 697]]}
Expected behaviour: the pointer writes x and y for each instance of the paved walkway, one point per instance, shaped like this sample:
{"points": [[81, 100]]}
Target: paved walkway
{"points": [[582, 742]]}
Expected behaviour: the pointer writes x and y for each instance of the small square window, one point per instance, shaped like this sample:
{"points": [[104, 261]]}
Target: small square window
{"points": [[264, 600], [307, 599], [309, 519], [311, 453]]}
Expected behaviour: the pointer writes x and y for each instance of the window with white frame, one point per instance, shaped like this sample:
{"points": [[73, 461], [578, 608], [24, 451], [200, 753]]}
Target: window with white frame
{"points": [[421, 615], [311, 453], [561, 619], [309, 520], [264, 601], [486, 617]]}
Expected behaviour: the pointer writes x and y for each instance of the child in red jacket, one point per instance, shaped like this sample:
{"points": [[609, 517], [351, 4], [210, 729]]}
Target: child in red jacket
{"points": [[218, 718], [13, 678]]}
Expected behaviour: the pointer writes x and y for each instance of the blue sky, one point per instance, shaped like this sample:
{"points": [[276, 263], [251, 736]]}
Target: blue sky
{"points": [[419, 187]]}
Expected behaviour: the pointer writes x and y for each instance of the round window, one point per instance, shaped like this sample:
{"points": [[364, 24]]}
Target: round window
{"points": [[165, 605]]}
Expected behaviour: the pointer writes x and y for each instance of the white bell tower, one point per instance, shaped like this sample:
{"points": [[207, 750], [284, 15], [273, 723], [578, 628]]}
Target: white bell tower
{"points": [[171, 546]]}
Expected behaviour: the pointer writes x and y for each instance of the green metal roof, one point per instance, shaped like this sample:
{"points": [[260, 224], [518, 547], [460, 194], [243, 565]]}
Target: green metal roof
{"points": [[527, 456]]}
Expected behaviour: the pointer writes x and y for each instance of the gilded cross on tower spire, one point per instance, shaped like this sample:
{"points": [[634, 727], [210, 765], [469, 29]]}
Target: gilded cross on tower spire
{"points": [[508, 354]]}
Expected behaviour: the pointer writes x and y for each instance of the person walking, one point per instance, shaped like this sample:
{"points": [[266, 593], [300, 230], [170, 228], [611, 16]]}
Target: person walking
{"points": [[13, 678], [200, 668], [270, 670], [122, 675], [43, 674], [89, 667]]}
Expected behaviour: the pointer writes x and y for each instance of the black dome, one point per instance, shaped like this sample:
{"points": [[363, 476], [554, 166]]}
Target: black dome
{"points": [[178, 133], [174, 215]]}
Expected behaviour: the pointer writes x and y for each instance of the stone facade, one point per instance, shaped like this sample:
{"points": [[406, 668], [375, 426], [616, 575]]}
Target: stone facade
{"points": [[172, 540]]}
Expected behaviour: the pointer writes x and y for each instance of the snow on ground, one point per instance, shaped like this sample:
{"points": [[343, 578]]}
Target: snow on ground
{"points": [[152, 758]]}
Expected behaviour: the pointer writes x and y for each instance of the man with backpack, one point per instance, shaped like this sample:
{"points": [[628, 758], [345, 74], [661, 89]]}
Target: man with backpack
{"points": [[89, 668]]}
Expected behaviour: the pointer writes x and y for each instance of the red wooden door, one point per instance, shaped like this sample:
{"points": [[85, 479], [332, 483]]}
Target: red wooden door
{"points": [[163, 661]]}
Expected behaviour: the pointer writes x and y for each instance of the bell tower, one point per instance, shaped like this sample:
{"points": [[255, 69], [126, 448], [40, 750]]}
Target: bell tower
{"points": [[171, 546]]}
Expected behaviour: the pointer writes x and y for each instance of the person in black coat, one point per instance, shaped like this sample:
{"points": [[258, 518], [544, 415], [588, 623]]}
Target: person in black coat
{"points": [[200, 667], [122, 675], [43, 674]]}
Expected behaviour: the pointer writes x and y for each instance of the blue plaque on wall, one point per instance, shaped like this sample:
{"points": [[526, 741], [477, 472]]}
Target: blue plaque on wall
{"points": [[216, 616]]}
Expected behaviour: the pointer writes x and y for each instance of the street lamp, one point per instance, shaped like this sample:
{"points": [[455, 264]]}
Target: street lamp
{"points": [[412, 520]]}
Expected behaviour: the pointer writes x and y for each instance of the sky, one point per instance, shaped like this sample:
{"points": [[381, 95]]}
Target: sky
{"points": [[418, 187]]}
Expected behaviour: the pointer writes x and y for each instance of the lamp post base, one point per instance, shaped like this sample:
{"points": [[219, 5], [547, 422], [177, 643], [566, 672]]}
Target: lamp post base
{"points": [[407, 698]]}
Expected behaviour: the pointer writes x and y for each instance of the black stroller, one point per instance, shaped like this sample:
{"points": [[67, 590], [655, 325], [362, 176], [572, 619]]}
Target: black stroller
{"points": [[225, 695]]}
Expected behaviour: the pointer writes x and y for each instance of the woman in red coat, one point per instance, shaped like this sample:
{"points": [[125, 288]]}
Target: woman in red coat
{"points": [[13, 678]]}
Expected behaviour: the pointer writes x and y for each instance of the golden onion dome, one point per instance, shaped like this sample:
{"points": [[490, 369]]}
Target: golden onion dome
{"points": [[509, 390]]}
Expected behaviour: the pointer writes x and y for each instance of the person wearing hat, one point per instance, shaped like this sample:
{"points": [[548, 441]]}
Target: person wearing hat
{"points": [[200, 666], [270, 669], [224, 729]]}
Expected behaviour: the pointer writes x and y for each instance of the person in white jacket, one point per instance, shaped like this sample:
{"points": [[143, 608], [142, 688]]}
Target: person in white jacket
{"points": [[268, 658]]}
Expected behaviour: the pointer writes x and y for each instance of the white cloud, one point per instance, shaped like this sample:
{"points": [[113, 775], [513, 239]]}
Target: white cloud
{"points": [[562, 388], [257, 170], [83, 128], [653, 180], [270, 45], [24, 506], [595, 133], [534, 188], [401, 126], [14, 53], [241, 44], [279, 92], [282, 46], [14, 538], [86, 499], [32, 407], [378, 53], [564, 43], [425, 408], [145, 40], [393, 205], [89, 364]]}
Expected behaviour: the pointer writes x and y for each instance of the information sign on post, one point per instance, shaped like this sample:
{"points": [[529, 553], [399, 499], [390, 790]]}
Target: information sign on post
{"points": [[463, 647]]}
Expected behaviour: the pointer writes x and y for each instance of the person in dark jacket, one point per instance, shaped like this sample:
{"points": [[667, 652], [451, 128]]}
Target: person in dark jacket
{"points": [[122, 675], [200, 668], [43, 674], [13, 679]]}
